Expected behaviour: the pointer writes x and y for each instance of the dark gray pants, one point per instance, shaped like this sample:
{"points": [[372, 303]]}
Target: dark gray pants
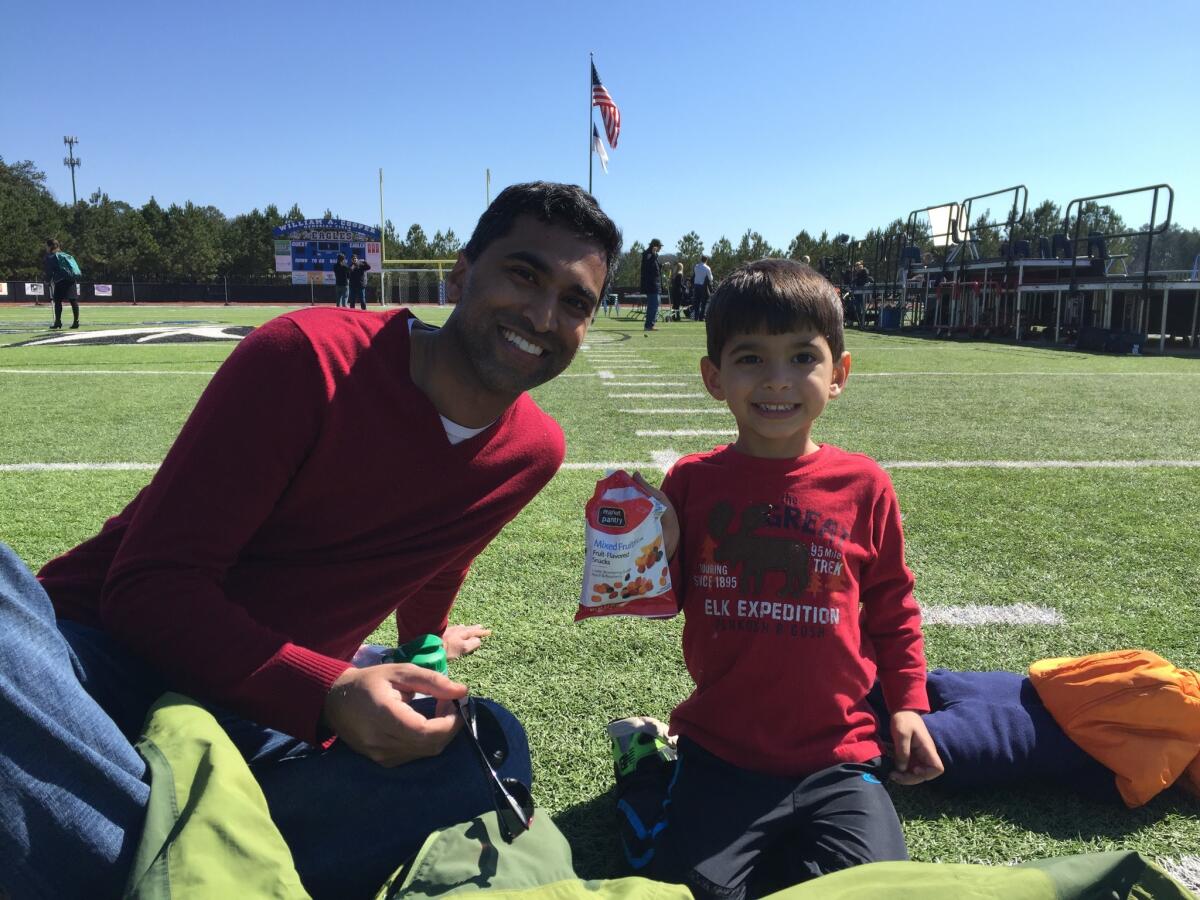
{"points": [[732, 833]]}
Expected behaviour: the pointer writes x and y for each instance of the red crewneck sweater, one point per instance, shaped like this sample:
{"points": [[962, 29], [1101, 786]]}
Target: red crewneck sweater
{"points": [[311, 492], [795, 594]]}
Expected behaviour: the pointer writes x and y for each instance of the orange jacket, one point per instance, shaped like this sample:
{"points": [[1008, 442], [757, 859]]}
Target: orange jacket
{"points": [[1131, 710]]}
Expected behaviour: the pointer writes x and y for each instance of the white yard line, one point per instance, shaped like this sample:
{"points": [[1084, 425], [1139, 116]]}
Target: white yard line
{"points": [[923, 464], [655, 396], [1186, 870], [78, 467], [648, 384], [988, 614], [104, 372], [1044, 464], [689, 432], [658, 455], [1023, 374], [701, 411]]}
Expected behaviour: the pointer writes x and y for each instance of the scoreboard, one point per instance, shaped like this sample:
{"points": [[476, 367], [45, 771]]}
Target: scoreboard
{"points": [[310, 247]]}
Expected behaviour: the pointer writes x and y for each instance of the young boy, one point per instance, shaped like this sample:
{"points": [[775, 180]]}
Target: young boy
{"points": [[791, 574]]}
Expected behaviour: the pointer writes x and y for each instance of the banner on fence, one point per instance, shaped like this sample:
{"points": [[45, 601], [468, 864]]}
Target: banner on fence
{"points": [[34, 287], [3, 288], [103, 290]]}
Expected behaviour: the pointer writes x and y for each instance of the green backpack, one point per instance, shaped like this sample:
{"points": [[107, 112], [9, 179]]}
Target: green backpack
{"points": [[65, 266]]}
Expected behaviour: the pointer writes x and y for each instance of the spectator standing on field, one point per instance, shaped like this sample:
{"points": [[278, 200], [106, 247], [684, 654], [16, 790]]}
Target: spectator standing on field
{"points": [[341, 277], [63, 274], [702, 282], [651, 284], [678, 294], [358, 281]]}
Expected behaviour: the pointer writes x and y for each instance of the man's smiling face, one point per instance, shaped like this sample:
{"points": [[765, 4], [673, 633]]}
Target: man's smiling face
{"points": [[524, 305]]}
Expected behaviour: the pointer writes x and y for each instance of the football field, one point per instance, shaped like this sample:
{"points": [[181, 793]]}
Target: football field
{"points": [[1051, 504]]}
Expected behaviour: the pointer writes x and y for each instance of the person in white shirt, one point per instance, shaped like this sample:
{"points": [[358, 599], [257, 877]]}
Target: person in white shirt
{"points": [[702, 283]]}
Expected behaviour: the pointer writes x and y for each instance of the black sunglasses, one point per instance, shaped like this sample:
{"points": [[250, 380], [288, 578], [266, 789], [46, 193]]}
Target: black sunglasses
{"points": [[513, 801]]}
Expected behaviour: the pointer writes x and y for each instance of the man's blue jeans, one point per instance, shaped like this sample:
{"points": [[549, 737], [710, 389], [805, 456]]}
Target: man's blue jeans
{"points": [[73, 790], [343, 295], [652, 301]]}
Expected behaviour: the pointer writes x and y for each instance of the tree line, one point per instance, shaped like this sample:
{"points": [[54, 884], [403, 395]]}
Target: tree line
{"points": [[113, 240]]}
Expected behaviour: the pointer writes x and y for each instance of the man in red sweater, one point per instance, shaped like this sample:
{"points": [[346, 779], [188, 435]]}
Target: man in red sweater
{"points": [[256, 561]]}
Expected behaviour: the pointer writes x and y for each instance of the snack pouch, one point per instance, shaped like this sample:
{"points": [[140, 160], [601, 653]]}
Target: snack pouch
{"points": [[625, 571]]}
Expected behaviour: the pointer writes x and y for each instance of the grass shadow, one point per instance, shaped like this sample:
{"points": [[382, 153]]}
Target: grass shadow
{"points": [[1047, 809], [590, 828]]}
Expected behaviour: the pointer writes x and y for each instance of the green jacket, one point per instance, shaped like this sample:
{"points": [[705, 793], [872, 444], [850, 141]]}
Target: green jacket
{"points": [[208, 834]]}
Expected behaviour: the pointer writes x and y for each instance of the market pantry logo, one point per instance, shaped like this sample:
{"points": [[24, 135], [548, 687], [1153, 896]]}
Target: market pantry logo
{"points": [[192, 335]]}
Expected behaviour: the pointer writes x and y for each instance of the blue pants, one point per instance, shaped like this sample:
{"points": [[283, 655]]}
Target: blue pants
{"points": [[652, 300], [343, 295], [73, 790], [358, 294]]}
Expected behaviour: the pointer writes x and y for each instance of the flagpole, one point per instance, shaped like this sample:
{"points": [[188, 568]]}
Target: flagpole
{"points": [[591, 65]]}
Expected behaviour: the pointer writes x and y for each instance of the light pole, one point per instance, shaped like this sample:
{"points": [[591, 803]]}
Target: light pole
{"points": [[71, 161]]}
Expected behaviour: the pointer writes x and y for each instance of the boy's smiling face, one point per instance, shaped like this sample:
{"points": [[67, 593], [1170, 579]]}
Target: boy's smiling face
{"points": [[776, 385]]}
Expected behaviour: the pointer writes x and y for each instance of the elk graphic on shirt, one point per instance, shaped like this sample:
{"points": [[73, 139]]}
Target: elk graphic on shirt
{"points": [[759, 554]]}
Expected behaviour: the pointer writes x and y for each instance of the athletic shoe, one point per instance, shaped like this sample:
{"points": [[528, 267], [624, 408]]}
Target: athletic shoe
{"points": [[640, 744], [644, 761]]}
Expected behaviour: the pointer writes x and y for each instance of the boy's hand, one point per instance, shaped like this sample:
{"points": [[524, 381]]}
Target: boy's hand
{"points": [[917, 758], [459, 640], [369, 710], [670, 521]]}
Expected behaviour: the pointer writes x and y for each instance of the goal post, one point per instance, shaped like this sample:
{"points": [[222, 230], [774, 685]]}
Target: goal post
{"points": [[405, 281]]}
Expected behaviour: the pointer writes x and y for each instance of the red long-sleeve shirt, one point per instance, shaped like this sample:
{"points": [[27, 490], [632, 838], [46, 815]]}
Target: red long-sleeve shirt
{"points": [[795, 594], [311, 492]]}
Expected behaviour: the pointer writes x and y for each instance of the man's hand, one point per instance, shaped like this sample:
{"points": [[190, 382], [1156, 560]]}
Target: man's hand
{"points": [[459, 640], [670, 521], [369, 710], [917, 758]]}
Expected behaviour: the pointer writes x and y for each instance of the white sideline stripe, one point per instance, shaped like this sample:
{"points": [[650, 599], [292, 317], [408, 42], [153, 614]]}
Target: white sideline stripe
{"points": [[636, 367], [649, 384], [103, 372], [78, 467], [989, 614], [689, 432], [1186, 870], [654, 396]]}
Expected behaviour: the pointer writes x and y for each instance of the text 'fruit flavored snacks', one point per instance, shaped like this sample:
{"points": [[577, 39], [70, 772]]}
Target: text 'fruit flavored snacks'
{"points": [[625, 571]]}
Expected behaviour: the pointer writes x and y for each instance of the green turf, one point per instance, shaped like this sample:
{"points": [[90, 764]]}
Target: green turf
{"points": [[1115, 551]]}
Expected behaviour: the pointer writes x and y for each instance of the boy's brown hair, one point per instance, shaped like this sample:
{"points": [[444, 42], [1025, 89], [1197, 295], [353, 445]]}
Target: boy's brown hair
{"points": [[776, 296]]}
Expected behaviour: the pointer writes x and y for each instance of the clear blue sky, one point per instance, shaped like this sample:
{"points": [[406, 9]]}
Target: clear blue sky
{"points": [[774, 116]]}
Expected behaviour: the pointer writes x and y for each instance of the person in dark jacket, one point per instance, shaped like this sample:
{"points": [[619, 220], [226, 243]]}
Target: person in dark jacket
{"points": [[678, 293], [341, 277], [651, 283], [358, 281], [62, 287]]}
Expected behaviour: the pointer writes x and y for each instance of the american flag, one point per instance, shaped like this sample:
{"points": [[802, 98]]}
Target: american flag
{"points": [[608, 109]]}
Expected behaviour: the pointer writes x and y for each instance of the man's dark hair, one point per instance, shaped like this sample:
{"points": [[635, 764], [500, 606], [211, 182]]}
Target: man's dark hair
{"points": [[703, 258], [341, 257], [52, 244], [565, 205], [776, 296]]}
